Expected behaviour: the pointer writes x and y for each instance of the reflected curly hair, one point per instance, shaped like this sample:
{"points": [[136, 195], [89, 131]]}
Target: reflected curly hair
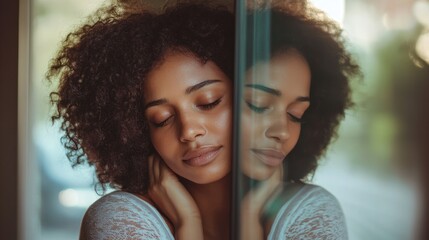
{"points": [[319, 40], [101, 67]]}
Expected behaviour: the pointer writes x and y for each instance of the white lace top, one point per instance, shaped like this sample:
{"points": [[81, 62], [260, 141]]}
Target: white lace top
{"points": [[121, 215], [312, 213]]}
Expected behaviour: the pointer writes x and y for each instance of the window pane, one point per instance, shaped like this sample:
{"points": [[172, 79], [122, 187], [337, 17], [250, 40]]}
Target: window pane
{"points": [[65, 193], [293, 79]]}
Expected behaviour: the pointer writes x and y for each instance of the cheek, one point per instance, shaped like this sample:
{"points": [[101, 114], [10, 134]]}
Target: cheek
{"points": [[294, 132], [155, 138], [253, 127], [161, 141], [223, 120], [246, 129], [220, 123]]}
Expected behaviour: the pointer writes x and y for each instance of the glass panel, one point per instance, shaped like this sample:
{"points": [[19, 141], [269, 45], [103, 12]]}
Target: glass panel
{"points": [[297, 77], [372, 168]]}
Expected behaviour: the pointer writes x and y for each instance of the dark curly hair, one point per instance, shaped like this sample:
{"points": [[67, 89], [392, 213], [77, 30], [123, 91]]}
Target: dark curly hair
{"points": [[101, 67], [319, 40]]}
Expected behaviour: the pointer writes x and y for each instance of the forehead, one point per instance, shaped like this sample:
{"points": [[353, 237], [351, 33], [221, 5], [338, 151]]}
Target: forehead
{"points": [[285, 71], [177, 72]]}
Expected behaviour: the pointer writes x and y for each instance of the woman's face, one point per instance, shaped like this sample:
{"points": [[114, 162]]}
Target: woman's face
{"points": [[188, 105], [276, 95]]}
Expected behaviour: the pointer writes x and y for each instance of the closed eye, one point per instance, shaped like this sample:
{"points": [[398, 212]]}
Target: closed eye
{"points": [[294, 118], [256, 108], [210, 105], [163, 123]]}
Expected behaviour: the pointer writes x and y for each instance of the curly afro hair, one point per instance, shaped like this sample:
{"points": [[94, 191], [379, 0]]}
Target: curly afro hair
{"points": [[101, 67], [319, 40]]}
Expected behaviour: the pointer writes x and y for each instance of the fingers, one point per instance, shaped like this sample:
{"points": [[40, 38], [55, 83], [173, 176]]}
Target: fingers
{"points": [[158, 170], [269, 186], [150, 170], [263, 192], [155, 172], [259, 196], [168, 194], [165, 171], [156, 192], [277, 177]]}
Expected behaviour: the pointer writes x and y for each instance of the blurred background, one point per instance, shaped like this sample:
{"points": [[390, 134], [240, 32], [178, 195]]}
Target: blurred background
{"points": [[375, 167], [64, 192]]}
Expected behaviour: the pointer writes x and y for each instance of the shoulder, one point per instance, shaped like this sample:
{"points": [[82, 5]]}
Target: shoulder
{"points": [[313, 195], [312, 212], [122, 215]]}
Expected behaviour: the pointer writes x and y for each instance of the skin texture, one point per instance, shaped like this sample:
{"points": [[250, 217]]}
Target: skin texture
{"points": [[275, 139], [252, 205], [170, 197], [188, 106], [276, 97], [321, 43], [272, 117], [182, 122]]}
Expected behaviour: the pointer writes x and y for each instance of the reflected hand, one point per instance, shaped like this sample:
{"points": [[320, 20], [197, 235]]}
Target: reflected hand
{"points": [[174, 200], [253, 204]]}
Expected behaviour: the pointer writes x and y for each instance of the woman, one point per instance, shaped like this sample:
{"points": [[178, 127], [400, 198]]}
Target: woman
{"points": [[294, 98], [146, 99]]}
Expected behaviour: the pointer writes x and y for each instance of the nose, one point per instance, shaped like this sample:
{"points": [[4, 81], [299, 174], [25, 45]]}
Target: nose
{"points": [[191, 128], [278, 129]]}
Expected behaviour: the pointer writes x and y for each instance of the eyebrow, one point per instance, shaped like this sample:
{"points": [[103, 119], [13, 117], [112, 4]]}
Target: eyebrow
{"points": [[188, 90], [265, 89], [275, 92], [302, 99], [155, 102], [200, 85]]}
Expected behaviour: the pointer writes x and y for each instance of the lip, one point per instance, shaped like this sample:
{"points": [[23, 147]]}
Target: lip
{"points": [[269, 156], [201, 156]]}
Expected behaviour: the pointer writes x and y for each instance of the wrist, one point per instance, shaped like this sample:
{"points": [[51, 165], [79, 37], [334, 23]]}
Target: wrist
{"points": [[194, 220], [190, 229]]}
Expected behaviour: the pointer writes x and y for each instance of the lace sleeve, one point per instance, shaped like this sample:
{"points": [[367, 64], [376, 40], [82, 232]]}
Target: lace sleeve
{"points": [[313, 213], [121, 215]]}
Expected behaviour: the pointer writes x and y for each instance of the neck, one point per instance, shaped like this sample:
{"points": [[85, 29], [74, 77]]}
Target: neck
{"points": [[214, 203]]}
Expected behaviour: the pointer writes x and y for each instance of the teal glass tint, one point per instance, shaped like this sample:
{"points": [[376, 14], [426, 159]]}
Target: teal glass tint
{"points": [[287, 176]]}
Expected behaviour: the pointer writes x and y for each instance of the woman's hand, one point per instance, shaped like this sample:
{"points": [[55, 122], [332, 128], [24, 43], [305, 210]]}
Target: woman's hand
{"points": [[253, 204], [173, 200]]}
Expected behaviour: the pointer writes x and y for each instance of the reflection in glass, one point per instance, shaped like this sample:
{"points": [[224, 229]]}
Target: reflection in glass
{"points": [[295, 90]]}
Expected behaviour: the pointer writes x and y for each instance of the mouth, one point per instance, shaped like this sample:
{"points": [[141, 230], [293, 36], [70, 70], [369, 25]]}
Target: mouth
{"points": [[270, 157], [201, 156]]}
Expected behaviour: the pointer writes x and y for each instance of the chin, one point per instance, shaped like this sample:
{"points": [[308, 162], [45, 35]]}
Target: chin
{"points": [[207, 177], [260, 172]]}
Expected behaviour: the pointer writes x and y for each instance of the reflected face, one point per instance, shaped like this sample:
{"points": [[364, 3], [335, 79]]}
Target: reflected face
{"points": [[276, 95], [188, 106]]}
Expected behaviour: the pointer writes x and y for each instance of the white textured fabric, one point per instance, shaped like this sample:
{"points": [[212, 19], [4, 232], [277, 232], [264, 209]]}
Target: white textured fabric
{"points": [[312, 213], [121, 215]]}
